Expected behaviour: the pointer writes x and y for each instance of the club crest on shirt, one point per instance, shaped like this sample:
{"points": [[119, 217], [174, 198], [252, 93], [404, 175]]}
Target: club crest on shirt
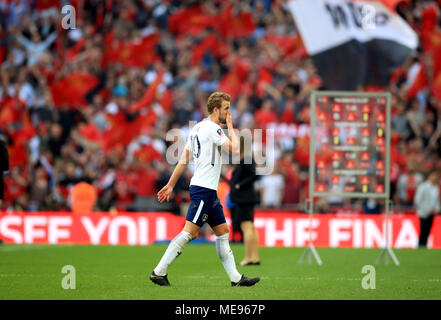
{"points": [[219, 131]]}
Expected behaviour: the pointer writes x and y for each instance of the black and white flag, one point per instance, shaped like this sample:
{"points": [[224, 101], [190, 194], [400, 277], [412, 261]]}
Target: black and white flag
{"points": [[353, 43]]}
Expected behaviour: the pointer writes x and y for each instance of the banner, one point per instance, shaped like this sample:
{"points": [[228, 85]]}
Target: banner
{"points": [[353, 43], [275, 229], [96, 228], [342, 231]]}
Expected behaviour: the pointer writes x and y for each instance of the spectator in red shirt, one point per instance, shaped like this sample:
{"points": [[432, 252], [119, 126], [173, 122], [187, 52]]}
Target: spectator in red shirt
{"points": [[290, 171], [146, 180], [265, 114]]}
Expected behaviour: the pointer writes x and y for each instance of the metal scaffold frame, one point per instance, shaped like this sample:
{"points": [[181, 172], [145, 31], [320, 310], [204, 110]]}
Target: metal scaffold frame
{"points": [[310, 250]]}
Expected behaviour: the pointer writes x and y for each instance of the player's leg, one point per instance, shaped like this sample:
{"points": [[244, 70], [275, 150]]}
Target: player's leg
{"points": [[221, 230], [224, 252], [176, 246], [174, 249], [250, 235], [250, 242]]}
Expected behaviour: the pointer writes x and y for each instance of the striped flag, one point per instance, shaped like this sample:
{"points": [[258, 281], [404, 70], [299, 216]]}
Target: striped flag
{"points": [[353, 43]]}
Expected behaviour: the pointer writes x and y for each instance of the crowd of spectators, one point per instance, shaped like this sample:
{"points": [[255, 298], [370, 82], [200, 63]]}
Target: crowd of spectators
{"points": [[94, 104]]}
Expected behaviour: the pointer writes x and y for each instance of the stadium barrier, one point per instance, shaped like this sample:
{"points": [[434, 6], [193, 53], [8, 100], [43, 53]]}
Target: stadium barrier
{"points": [[275, 229]]}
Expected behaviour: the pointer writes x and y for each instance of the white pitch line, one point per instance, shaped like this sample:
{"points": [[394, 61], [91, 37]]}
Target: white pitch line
{"points": [[30, 247], [221, 277], [277, 278]]}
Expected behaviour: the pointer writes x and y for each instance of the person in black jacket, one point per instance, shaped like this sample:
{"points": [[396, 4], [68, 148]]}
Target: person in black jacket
{"points": [[244, 197], [4, 166]]}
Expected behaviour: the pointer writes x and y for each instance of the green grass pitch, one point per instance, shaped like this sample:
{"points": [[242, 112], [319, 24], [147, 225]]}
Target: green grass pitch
{"points": [[121, 272]]}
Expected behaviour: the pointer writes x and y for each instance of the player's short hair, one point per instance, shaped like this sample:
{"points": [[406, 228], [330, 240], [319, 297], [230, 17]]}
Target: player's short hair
{"points": [[215, 100], [435, 173]]}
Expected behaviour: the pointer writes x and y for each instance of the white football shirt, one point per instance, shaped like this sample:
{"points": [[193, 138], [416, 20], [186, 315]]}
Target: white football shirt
{"points": [[205, 141]]}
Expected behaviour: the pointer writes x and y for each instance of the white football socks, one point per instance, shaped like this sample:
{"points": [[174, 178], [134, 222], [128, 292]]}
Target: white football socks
{"points": [[226, 257], [173, 251]]}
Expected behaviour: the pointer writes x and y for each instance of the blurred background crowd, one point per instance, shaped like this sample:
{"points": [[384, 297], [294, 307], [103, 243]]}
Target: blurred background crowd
{"points": [[91, 106]]}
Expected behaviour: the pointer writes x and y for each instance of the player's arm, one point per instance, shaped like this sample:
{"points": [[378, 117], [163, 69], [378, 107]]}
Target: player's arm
{"points": [[166, 192], [232, 145]]}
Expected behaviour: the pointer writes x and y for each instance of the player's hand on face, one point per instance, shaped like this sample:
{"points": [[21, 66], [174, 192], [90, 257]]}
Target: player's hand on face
{"points": [[229, 119], [165, 193]]}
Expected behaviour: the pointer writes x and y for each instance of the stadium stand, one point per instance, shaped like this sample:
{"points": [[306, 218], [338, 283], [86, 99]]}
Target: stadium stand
{"points": [[94, 104]]}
